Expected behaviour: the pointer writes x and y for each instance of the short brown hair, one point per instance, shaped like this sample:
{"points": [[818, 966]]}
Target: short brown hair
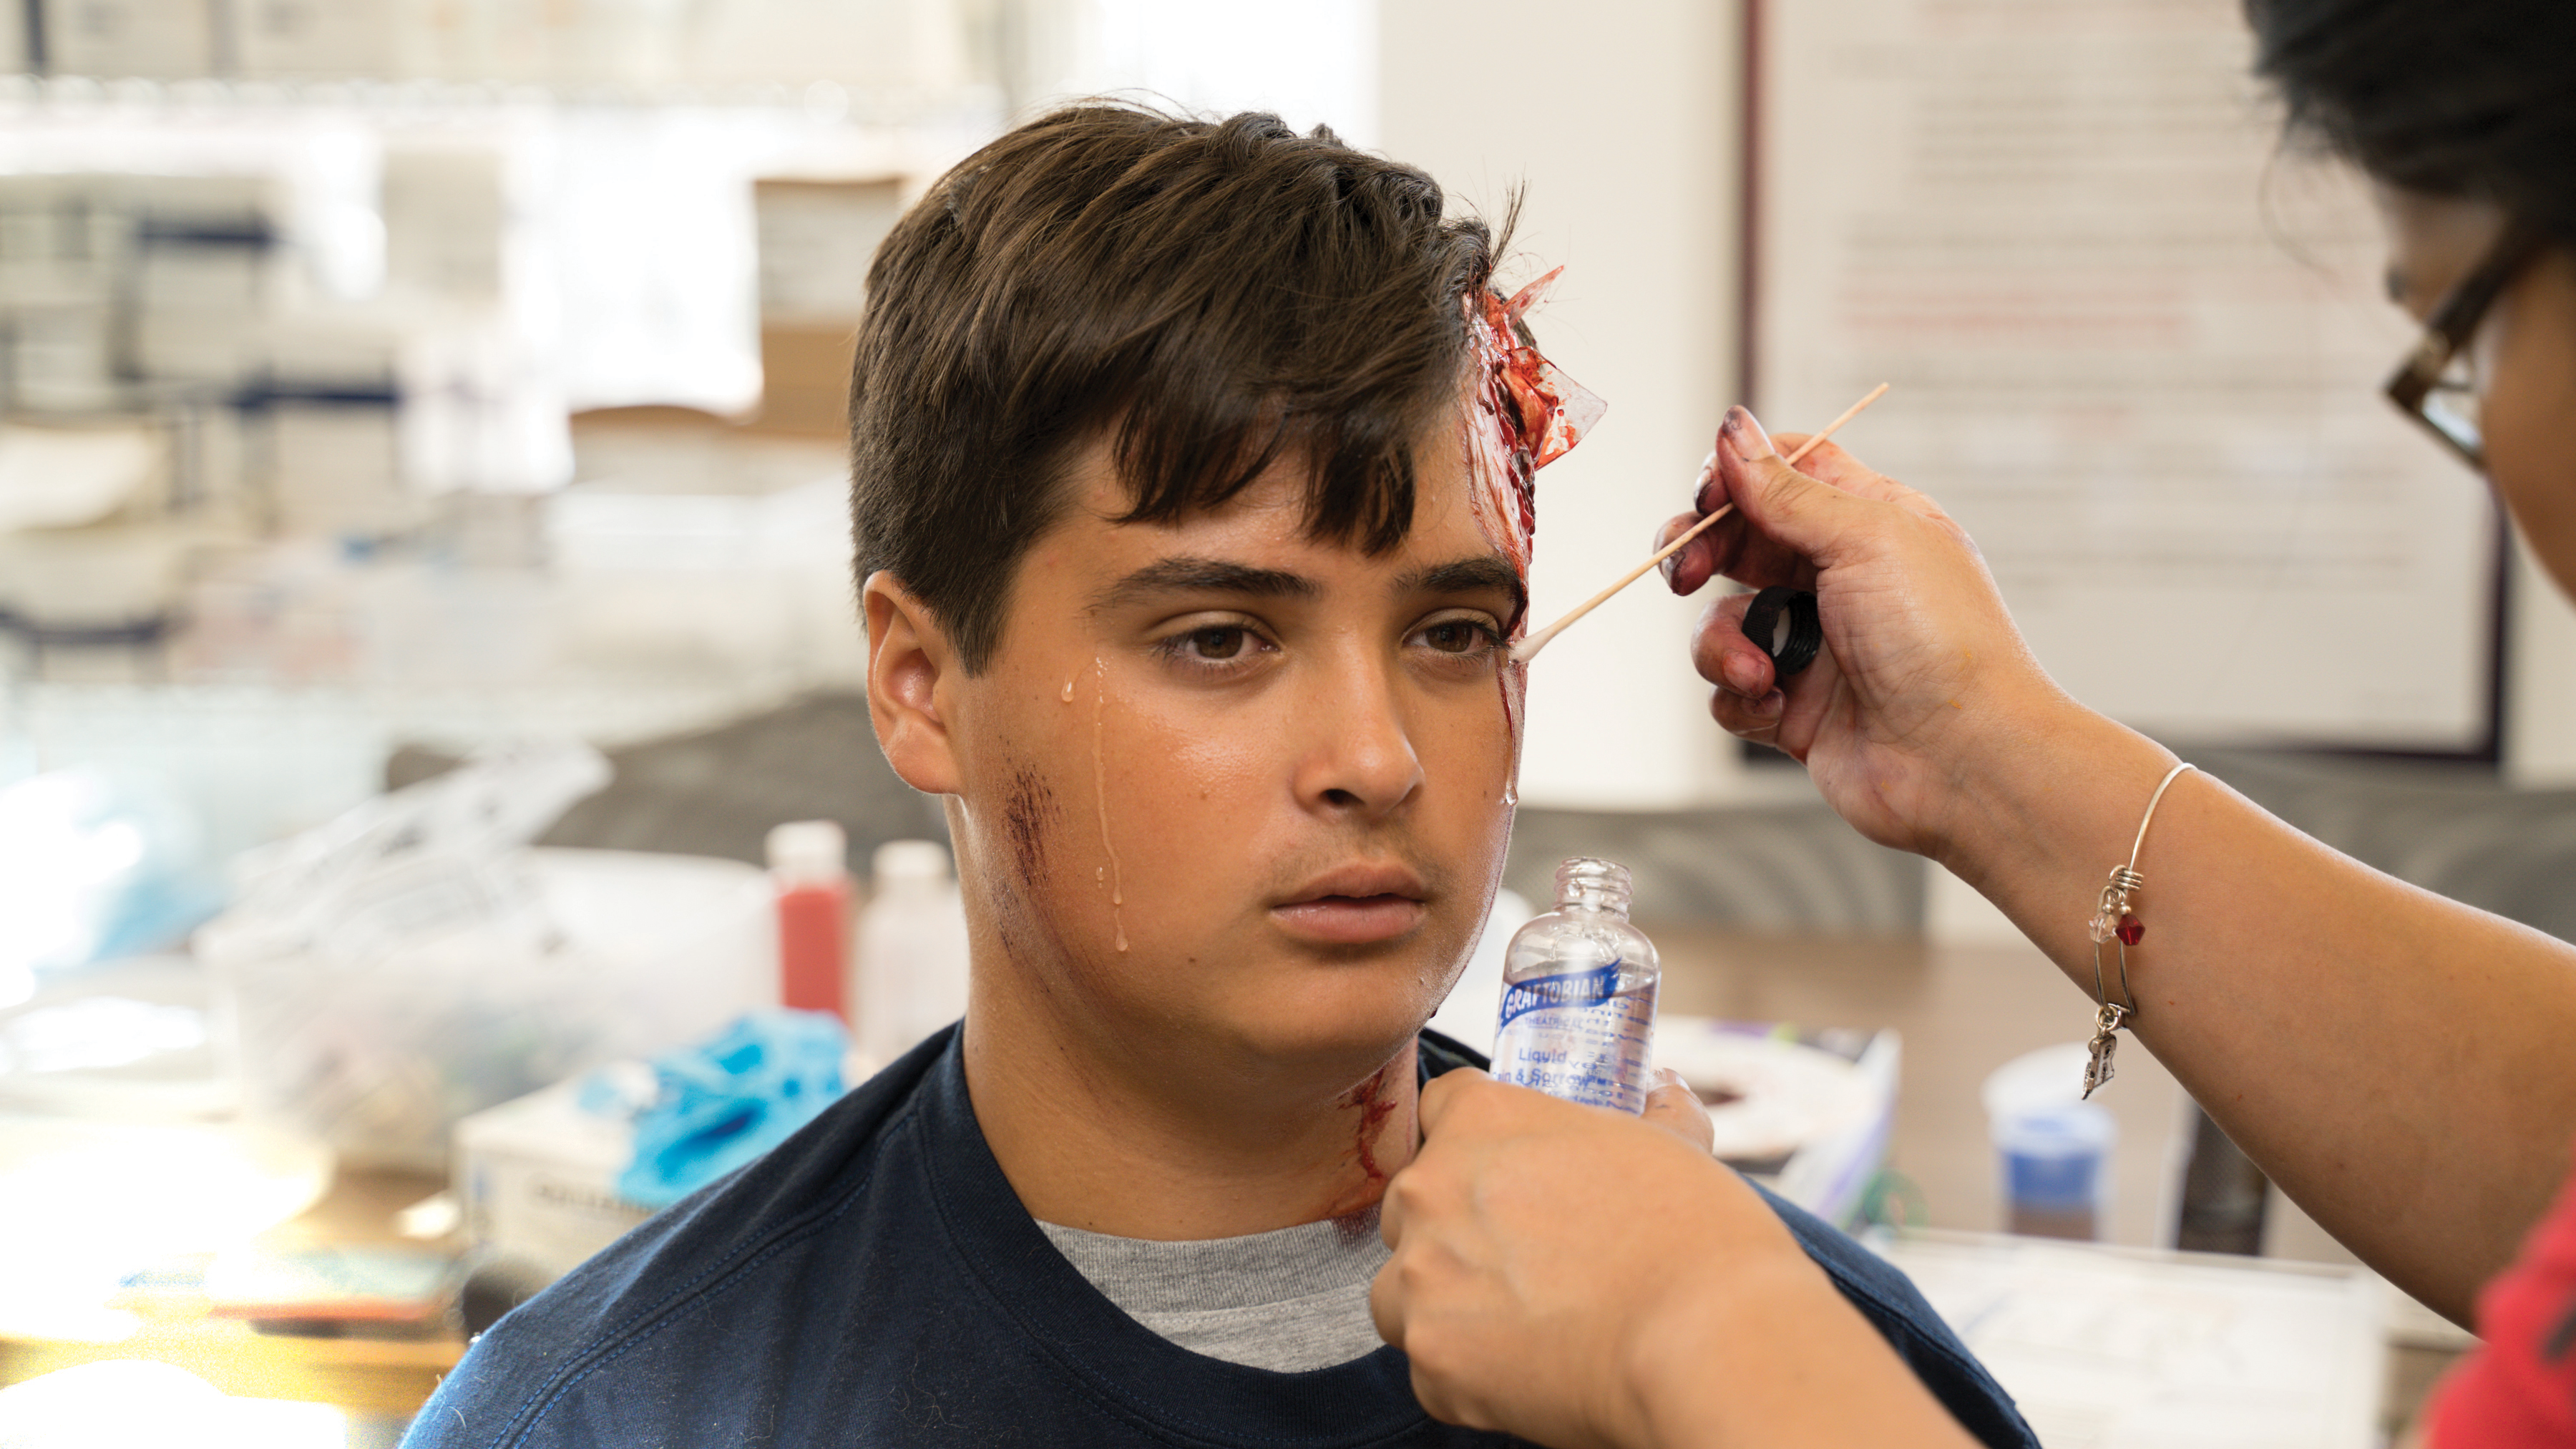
{"points": [[1217, 295]]}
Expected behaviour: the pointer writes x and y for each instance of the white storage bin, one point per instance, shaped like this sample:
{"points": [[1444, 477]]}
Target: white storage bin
{"points": [[615, 954]]}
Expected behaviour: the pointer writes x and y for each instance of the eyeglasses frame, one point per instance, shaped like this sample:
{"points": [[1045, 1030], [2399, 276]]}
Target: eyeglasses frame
{"points": [[2454, 325]]}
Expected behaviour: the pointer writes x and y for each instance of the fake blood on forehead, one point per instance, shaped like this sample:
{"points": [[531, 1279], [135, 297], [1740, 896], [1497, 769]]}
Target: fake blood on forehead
{"points": [[1523, 414]]}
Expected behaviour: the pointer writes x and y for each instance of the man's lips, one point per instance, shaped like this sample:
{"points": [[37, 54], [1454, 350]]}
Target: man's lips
{"points": [[1354, 906], [1349, 920]]}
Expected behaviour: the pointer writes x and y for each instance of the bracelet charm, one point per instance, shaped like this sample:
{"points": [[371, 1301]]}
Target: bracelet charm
{"points": [[2115, 921], [2106, 1039], [2112, 919]]}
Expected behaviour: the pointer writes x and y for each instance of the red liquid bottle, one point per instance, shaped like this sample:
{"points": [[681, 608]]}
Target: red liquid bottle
{"points": [[808, 863]]}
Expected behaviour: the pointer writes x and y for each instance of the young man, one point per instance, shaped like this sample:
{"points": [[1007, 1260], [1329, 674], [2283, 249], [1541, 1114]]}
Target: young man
{"points": [[1191, 469]]}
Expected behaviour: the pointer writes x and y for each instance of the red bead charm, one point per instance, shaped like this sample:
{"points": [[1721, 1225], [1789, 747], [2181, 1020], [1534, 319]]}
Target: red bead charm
{"points": [[2131, 930]]}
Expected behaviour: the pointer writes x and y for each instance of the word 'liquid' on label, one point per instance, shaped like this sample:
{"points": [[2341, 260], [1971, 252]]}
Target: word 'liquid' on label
{"points": [[1578, 1037]]}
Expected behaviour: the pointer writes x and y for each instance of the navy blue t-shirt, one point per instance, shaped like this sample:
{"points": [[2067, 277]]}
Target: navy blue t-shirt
{"points": [[874, 1280]]}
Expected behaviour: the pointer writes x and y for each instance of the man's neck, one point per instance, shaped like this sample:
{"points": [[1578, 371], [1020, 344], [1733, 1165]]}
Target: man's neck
{"points": [[1172, 1144]]}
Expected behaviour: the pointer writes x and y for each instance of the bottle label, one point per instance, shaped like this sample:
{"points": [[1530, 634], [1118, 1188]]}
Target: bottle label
{"points": [[1574, 988], [1578, 1037]]}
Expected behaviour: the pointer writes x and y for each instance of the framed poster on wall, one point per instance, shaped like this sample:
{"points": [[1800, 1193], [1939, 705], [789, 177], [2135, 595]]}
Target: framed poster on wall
{"points": [[2136, 350]]}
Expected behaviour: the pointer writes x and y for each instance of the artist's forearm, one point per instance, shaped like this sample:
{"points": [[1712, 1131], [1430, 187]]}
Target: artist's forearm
{"points": [[1782, 1363], [2398, 1063]]}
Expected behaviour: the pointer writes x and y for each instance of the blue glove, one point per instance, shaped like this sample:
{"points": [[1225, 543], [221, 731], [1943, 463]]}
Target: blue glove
{"points": [[729, 1100]]}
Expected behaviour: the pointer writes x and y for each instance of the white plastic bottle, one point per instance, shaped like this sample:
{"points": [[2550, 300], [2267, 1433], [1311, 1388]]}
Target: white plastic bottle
{"points": [[911, 971], [1579, 983]]}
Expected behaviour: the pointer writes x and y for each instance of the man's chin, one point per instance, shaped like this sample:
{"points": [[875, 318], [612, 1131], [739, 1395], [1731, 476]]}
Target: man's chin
{"points": [[1331, 1031], [1261, 1004]]}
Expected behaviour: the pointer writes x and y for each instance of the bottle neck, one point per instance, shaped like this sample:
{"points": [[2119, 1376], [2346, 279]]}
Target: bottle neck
{"points": [[1610, 903], [1586, 883]]}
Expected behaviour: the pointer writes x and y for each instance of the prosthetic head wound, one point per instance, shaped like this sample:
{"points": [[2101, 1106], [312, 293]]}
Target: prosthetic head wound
{"points": [[1523, 414]]}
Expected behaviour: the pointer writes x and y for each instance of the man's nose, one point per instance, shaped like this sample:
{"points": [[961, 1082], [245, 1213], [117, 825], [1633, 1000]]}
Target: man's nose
{"points": [[1358, 756]]}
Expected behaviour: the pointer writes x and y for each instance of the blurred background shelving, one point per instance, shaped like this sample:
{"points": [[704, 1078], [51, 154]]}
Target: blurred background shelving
{"points": [[434, 372], [409, 370]]}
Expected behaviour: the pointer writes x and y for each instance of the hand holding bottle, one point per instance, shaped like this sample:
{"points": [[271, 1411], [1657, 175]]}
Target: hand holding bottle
{"points": [[1584, 1278]]}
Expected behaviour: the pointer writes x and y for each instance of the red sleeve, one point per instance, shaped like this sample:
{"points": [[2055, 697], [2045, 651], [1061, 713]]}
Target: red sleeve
{"points": [[2518, 1391]]}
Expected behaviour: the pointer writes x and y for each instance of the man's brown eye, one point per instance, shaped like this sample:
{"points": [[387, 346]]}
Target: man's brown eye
{"points": [[1217, 643], [1455, 637]]}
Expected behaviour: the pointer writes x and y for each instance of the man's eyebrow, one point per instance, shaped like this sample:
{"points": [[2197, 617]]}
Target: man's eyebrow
{"points": [[1483, 573], [1187, 575]]}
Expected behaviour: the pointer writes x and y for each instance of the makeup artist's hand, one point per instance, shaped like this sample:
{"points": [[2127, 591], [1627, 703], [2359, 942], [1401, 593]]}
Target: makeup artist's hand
{"points": [[1582, 1278], [1923, 680]]}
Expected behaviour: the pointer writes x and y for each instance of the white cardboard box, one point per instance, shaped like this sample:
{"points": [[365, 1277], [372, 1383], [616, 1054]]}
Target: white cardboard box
{"points": [[538, 1177]]}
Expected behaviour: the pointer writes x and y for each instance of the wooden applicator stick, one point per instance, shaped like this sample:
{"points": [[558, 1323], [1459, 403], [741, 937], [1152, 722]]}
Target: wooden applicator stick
{"points": [[1528, 648]]}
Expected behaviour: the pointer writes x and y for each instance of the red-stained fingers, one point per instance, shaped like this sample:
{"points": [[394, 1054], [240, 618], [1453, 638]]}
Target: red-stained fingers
{"points": [[1736, 546], [1686, 571], [1727, 659], [1757, 720], [1750, 701], [1786, 517]]}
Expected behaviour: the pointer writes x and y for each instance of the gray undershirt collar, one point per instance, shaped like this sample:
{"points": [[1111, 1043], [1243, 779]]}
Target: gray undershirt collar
{"points": [[1289, 1300]]}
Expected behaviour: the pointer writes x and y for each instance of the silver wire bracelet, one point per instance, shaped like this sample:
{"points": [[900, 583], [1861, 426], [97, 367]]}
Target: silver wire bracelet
{"points": [[2114, 921]]}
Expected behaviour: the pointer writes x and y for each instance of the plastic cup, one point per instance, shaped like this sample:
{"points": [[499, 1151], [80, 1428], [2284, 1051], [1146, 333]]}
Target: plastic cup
{"points": [[2052, 1149]]}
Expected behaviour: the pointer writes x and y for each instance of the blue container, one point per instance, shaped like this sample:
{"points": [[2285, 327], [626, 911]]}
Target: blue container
{"points": [[2056, 1164]]}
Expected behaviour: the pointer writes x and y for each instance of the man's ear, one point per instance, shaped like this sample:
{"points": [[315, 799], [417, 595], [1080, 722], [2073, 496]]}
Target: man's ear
{"points": [[912, 677]]}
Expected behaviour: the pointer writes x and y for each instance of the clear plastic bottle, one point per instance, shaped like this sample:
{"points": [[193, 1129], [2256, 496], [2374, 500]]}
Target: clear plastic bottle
{"points": [[1579, 984]]}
